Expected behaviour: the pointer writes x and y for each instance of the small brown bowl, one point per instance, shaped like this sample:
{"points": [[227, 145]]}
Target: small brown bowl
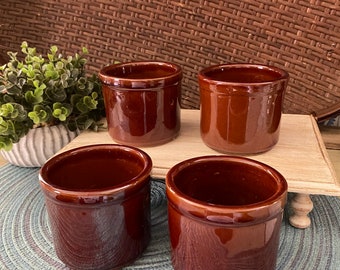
{"points": [[142, 101], [241, 107], [224, 213], [98, 202]]}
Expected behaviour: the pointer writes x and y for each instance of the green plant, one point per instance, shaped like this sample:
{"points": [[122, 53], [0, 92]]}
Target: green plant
{"points": [[38, 91]]}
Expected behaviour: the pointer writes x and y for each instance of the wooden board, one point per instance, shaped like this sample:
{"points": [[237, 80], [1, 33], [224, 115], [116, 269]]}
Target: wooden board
{"points": [[300, 155]]}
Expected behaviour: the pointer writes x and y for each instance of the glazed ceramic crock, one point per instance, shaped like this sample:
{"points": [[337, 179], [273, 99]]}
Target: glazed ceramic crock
{"points": [[224, 212], [142, 101], [98, 203], [241, 106]]}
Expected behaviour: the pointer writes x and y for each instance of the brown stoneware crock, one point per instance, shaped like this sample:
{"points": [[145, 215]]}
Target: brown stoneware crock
{"points": [[98, 203], [142, 101], [224, 212], [241, 106]]}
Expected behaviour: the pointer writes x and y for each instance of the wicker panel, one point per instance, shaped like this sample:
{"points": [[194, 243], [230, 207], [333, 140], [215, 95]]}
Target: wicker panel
{"points": [[299, 35]]}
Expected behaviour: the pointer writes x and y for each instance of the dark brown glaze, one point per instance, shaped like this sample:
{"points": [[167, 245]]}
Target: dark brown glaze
{"points": [[224, 213], [241, 107], [98, 202], [142, 101]]}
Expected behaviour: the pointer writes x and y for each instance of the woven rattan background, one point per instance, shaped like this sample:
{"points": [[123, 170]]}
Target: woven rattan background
{"points": [[299, 35]]}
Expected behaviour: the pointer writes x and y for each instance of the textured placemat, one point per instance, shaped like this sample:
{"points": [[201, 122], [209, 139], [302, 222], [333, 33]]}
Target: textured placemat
{"points": [[26, 241]]}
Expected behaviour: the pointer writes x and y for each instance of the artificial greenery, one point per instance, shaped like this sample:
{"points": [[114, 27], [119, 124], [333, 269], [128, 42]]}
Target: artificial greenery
{"points": [[38, 91]]}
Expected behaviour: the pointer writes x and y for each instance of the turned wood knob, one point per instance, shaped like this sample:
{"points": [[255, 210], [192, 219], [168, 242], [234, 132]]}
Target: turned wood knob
{"points": [[301, 205]]}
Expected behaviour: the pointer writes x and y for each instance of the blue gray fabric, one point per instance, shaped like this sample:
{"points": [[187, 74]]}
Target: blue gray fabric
{"points": [[332, 122]]}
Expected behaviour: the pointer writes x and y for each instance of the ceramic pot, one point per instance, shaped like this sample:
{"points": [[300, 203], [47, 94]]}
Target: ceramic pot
{"points": [[142, 101], [98, 202], [241, 106], [224, 213], [38, 145]]}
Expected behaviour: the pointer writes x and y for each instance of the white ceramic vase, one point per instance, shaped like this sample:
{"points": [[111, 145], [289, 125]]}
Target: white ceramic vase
{"points": [[38, 146]]}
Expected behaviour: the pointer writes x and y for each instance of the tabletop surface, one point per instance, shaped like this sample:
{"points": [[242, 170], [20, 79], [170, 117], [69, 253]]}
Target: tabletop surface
{"points": [[300, 154]]}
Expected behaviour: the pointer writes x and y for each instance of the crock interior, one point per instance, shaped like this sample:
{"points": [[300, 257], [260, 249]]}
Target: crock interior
{"points": [[93, 170], [242, 74], [141, 71], [226, 183]]}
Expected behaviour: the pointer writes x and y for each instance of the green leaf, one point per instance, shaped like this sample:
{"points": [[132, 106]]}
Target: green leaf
{"points": [[24, 46], [13, 90], [85, 51], [50, 56], [56, 93], [5, 143], [38, 60], [61, 111], [6, 127], [64, 80], [59, 65], [40, 114], [54, 49], [36, 83], [51, 74], [12, 77], [75, 99], [30, 72], [72, 125], [13, 111], [86, 104], [31, 51], [8, 99], [88, 123], [33, 97], [7, 110], [75, 73], [21, 82], [49, 66], [84, 122]]}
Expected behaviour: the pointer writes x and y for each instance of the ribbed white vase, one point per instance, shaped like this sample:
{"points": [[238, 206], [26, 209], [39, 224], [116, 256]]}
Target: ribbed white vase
{"points": [[38, 145]]}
